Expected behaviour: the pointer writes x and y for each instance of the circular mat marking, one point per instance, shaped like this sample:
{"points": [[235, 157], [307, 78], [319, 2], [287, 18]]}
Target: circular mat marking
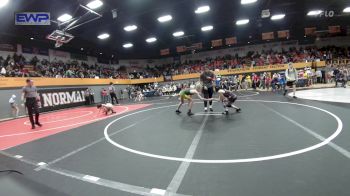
{"points": [[62, 117], [245, 160]]}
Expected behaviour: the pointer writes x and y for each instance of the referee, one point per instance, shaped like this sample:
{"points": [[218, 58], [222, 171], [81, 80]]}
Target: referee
{"points": [[112, 93], [207, 78], [31, 98]]}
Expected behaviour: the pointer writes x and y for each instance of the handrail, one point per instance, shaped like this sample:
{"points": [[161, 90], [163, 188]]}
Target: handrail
{"points": [[10, 82]]}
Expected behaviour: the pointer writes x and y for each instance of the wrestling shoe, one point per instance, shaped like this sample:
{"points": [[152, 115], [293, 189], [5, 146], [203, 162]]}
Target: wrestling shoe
{"points": [[190, 114], [205, 109], [238, 110], [225, 113], [40, 125], [178, 112]]}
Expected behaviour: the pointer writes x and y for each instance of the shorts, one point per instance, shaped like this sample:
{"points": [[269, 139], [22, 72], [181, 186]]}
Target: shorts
{"points": [[230, 101], [13, 105], [184, 96], [291, 83]]}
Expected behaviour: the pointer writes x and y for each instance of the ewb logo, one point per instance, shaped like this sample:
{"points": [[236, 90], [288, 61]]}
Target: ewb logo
{"points": [[32, 18]]}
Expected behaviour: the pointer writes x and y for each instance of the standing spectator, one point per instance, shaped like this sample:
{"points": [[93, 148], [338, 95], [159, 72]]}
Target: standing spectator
{"points": [[244, 82], [112, 93], [129, 92], [104, 96], [87, 97], [14, 106], [92, 96], [292, 78], [30, 94], [267, 82], [263, 80], [3, 71], [121, 94], [256, 80]]}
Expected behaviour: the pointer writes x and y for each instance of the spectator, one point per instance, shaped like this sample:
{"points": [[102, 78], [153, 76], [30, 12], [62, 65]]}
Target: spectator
{"points": [[104, 96], [14, 106]]}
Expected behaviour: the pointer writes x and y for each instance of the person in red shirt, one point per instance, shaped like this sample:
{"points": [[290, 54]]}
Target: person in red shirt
{"points": [[104, 96], [256, 80], [268, 82]]}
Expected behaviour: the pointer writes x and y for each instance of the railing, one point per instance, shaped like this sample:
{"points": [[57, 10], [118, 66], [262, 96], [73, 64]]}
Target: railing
{"points": [[9, 82], [340, 62]]}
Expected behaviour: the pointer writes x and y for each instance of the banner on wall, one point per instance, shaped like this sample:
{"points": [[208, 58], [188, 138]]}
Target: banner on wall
{"points": [[268, 36], [164, 52], [334, 29], [180, 49], [231, 40], [35, 50], [198, 45], [56, 99], [8, 47], [310, 31], [283, 34], [80, 57], [216, 43]]}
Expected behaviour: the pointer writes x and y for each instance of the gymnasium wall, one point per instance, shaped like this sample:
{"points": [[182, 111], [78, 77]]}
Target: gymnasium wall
{"points": [[5, 94]]}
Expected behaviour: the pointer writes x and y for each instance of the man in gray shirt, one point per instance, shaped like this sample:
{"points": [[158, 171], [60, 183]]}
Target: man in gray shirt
{"points": [[113, 94], [31, 98]]}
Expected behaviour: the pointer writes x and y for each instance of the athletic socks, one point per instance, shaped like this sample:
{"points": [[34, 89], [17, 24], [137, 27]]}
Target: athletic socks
{"points": [[211, 108], [205, 109]]}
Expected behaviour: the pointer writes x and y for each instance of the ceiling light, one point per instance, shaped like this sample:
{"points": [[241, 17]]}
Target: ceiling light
{"points": [[347, 10], [178, 34], [248, 1], [314, 12], [165, 18], [278, 17], [64, 18], [101, 53], [242, 22], [31, 38], [81, 49], [128, 45], [207, 28], [94, 4], [151, 39], [3, 3], [202, 9], [130, 28], [103, 36]]}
